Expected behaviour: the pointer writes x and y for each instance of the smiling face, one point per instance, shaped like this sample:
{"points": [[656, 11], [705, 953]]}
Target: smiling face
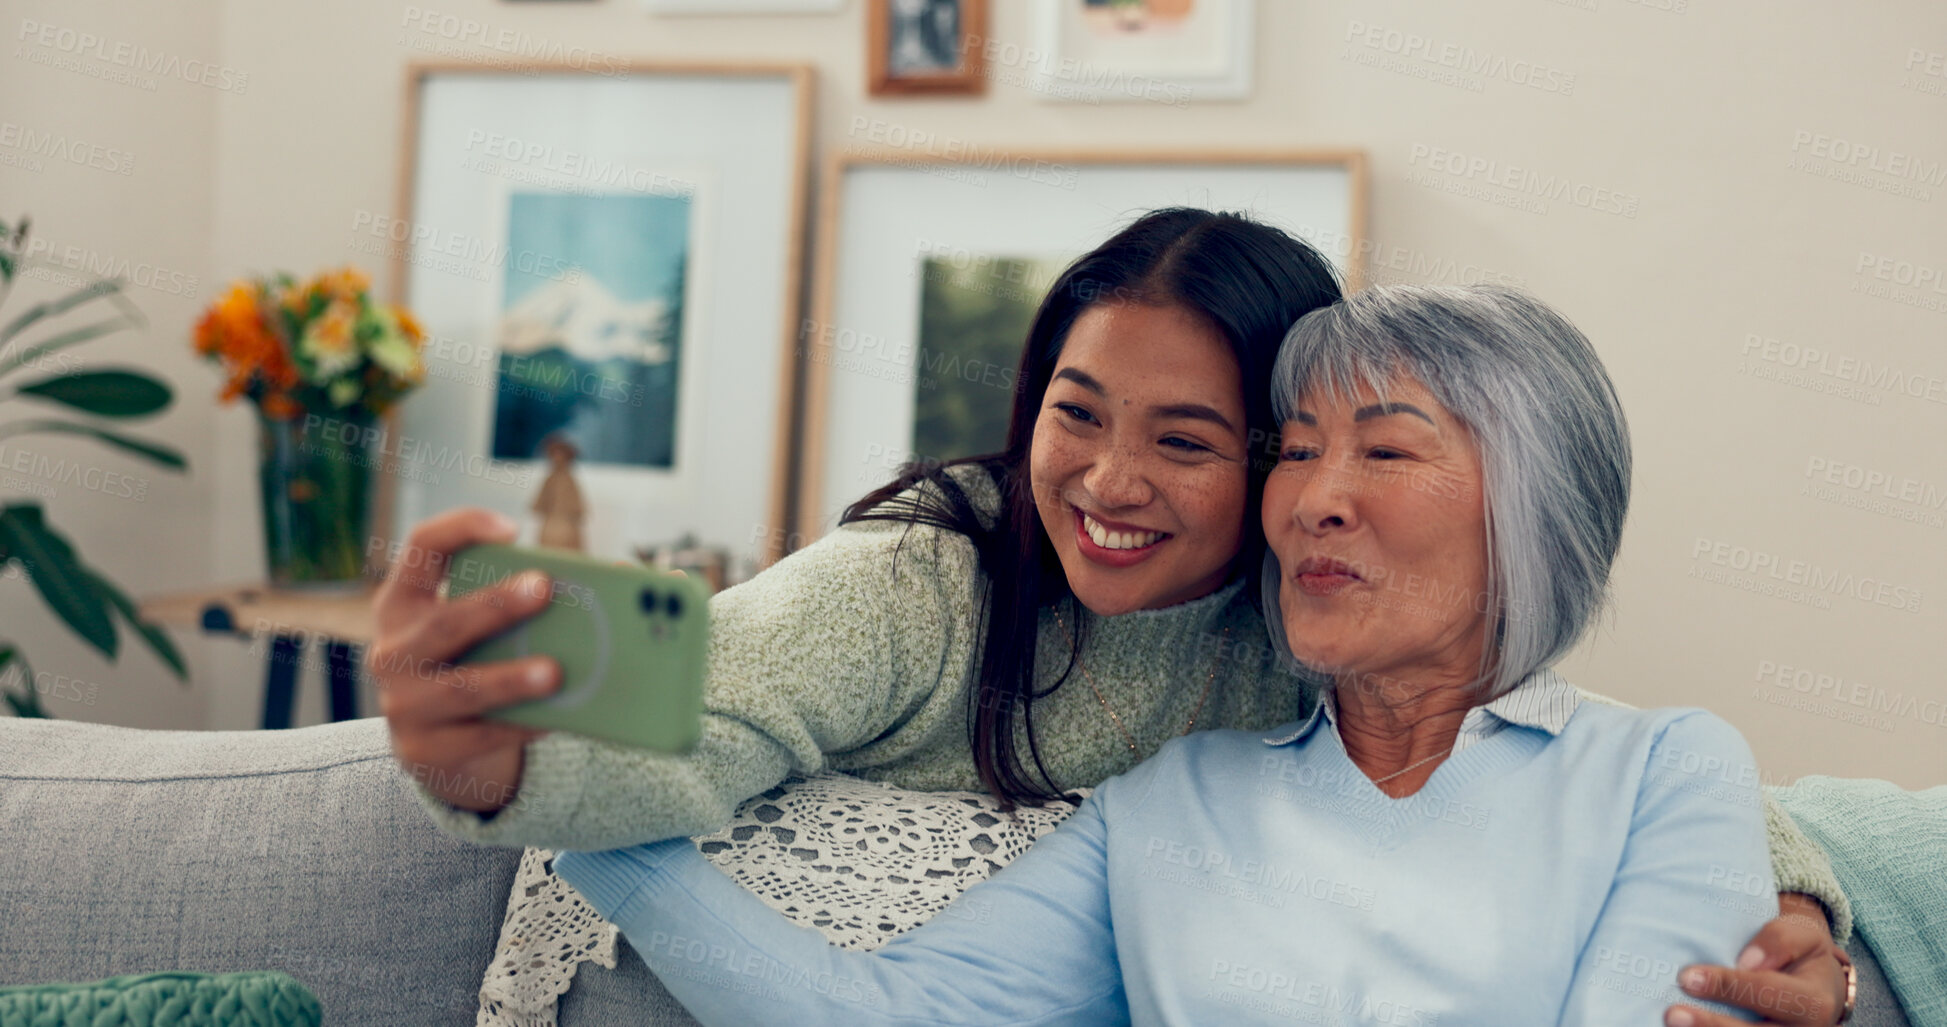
{"points": [[1375, 513], [1138, 458]]}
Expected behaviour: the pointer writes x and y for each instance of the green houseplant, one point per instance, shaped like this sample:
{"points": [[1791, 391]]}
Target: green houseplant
{"points": [[81, 596]]}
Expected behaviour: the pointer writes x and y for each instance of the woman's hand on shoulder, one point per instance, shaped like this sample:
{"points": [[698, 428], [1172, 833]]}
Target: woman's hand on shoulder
{"points": [[1794, 976]]}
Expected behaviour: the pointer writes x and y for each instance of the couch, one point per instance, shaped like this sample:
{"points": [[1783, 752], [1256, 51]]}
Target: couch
{"points": [[298, 850]]}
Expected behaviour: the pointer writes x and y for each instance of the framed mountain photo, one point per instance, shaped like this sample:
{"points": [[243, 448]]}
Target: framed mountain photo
{"points": [[612, 260]]}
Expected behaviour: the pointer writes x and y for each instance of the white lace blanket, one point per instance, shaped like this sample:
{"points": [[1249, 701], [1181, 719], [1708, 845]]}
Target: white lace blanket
{"points": [[859, 861]]}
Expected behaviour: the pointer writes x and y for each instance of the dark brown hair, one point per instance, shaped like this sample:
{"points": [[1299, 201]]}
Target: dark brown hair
{"points": [[1247, 280]]}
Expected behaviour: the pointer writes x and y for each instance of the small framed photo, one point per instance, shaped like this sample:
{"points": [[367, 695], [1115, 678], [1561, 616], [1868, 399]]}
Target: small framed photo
{"points": [[929, 272], [925, 46], [1156, 51], [613, 260]]}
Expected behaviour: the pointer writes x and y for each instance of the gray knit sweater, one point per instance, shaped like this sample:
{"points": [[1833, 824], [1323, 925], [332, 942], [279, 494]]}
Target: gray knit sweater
{"points": [[843, 657]]}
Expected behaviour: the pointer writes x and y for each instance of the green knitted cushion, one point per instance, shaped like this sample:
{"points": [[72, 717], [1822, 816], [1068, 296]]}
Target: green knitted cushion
{"points": [[252, 998]]}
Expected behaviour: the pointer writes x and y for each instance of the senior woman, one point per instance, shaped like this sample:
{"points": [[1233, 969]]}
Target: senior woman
{"points": [[1452, 836]]}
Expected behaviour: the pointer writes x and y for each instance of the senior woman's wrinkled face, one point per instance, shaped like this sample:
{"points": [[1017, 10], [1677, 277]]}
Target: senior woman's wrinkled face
{"points": [[1375, 513]]}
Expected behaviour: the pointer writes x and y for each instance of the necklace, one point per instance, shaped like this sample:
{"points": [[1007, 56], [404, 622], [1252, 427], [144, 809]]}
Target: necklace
{"points": [[1410, 766], [1099, 697]]}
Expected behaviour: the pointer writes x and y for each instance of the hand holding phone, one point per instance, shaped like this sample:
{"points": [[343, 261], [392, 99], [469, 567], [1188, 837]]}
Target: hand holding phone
{"points": [[433, 709], [631, 642]]}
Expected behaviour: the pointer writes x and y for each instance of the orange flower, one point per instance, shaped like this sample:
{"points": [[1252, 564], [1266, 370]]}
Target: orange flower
{"points": [[344, 284], [234, 331], [280, 407], [235, 312], [409, 324]]}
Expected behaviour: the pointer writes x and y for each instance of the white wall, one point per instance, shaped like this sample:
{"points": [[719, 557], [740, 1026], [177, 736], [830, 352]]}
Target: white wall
{"points": [[1702, 115], [152, 224]]}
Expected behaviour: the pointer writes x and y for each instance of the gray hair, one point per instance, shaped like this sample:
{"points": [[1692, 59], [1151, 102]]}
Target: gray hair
{"points": [[1554, 448]]}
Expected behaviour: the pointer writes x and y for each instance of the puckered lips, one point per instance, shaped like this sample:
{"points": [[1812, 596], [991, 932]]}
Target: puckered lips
{"points": [[1115, 544], [1324, 576]]}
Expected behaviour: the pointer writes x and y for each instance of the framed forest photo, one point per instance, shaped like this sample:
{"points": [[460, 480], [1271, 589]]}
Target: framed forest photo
{"points": [[929, 272]]}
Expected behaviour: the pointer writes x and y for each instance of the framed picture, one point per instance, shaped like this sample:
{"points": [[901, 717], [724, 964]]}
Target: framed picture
{"points": [[928, 273], [613, 260], [925, 46], [1157, 51], [743, 6]]}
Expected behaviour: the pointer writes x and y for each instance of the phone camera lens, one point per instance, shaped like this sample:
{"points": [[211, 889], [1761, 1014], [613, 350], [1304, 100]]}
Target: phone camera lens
{"points": [[648, 601], [675, 605]]}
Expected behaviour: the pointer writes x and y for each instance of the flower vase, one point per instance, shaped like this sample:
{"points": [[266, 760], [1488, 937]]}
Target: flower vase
{"points": [[316, 474]]}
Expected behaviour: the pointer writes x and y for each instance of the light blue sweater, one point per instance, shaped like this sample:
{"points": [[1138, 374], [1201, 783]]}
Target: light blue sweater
{"points": [[1555, 872]]}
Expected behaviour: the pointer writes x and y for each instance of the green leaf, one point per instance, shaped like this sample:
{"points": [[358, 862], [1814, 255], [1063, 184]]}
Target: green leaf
{"points": [[164, 455], [91, 291], [103, 393], [63, 583], [158, 639], [27, 707], [68, 338]]}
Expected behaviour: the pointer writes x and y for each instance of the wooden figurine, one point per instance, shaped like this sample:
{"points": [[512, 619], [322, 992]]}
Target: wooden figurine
{"points": [[559, 502]]}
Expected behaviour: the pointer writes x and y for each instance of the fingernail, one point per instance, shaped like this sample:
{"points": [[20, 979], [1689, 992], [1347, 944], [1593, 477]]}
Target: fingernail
{"points": [[503, 524], [537, 676], [1680, 1018], [1750, 957], [531, 584], [1694, 979]]}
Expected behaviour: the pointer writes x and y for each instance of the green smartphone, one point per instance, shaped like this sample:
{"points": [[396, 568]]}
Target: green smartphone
{"points": [[631, 642]]}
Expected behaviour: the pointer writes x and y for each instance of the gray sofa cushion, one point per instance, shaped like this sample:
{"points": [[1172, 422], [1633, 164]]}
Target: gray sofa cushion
{"points": [[1877, 1007], [301, 850], [629, 994]]}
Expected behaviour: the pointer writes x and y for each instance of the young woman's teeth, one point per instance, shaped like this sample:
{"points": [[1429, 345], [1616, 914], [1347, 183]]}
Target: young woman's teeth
{"points": [[1119, 539]]}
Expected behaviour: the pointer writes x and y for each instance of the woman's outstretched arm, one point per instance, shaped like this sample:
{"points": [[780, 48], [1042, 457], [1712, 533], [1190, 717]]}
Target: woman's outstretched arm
{"points": [[837, 645], [1033, 945]]}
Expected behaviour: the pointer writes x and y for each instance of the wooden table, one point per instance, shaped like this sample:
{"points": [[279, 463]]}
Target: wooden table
{"points": [[341, 622]]}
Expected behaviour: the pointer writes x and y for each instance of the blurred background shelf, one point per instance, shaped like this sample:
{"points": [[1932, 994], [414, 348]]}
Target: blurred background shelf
{"points": [[282, 622]]}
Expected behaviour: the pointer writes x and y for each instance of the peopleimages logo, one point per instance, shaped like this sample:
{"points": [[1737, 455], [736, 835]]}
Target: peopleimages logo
{"points": [[1771, 574], [513, 43], [1458, 59], [1879, 377], [1525, 183], [1866, 157], [63, 148], [93, 264], [1864, 700], [75, 43]]}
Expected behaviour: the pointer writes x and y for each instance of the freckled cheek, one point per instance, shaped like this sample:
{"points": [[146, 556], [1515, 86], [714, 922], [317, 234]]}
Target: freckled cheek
{"points": [[1056, 464], [1212, 505]]}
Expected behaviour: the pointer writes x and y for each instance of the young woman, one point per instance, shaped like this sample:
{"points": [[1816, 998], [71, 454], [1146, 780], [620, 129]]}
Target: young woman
{"points": [[1453, 835], [924, 643]]}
